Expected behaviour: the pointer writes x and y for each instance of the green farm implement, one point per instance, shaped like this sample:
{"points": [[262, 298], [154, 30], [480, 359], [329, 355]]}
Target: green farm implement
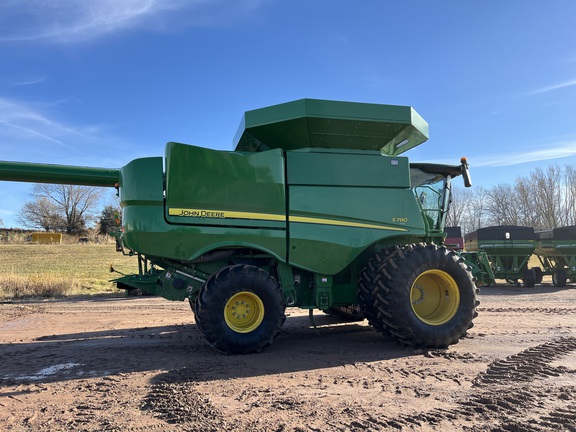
{"points": [[478, 261], [315, 208], [556, 250], [509, 249]]}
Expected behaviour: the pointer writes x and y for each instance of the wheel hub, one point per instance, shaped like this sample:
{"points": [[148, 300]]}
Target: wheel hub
{"points": [[435, 297], [244, 312]]}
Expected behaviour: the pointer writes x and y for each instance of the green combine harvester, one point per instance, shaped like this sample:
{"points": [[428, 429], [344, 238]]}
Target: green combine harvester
{"points": [[509, 249], [315, 208], [556, 250]]}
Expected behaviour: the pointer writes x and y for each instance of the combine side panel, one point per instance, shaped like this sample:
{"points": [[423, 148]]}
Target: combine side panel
{"points": [[343, 202], [222, 199]]}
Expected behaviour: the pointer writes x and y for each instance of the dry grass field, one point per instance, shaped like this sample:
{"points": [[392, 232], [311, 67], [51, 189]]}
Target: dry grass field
{"points": [[37, 270]]}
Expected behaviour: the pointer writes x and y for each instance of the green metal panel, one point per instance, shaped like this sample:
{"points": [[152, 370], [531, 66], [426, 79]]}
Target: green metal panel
{"points": [[343, 202], [210, 187], [141, 198], [147, 231], [311, 123], [58, 174], [331, 226], [339, 168], [141, 182]]}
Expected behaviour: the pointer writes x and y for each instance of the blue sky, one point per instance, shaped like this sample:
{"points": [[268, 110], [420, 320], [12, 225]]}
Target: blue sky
{"points": [[102, 82]]}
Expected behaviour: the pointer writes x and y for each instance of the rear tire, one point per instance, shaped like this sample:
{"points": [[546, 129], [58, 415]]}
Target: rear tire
{"points": [[425, 296], [367, 287], [559, 278], [539, 274], [529, 278], [240, 309]]}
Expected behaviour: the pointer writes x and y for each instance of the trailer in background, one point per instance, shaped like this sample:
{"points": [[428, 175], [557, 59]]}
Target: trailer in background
{"points": [[556, 251], [477, 261], [509, 249], [454, 238]]}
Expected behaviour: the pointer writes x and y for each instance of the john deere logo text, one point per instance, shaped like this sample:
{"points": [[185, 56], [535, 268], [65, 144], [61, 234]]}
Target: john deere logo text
{"points": [[197, 213]]}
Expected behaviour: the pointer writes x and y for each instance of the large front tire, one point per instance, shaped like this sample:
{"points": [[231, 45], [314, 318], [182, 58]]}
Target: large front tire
{"points": [[240, 309], [425, 296]]}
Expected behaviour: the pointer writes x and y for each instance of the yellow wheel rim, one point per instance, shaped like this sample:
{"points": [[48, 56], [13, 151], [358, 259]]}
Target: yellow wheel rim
{"points": [[435, 297], [244, 312]]}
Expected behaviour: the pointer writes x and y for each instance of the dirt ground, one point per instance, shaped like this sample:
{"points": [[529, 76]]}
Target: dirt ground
{"points": [[139, 364]]}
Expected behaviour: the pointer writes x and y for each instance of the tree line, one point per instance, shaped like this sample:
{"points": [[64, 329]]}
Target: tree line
{"points": [[544, 199], [68, 209]]}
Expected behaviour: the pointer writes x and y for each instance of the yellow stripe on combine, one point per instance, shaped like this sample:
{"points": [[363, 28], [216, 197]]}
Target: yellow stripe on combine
{"points": [[342, 223], [225, 214]]}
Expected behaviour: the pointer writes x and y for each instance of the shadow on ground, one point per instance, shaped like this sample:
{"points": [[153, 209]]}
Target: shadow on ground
{"points": [[299, 347]]}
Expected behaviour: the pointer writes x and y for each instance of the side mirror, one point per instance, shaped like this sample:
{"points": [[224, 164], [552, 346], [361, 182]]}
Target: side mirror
{"points": [[466, 172], [422, 198]]}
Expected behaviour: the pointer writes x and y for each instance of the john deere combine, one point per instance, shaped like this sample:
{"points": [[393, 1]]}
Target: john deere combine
{"points": [[315, 208]]}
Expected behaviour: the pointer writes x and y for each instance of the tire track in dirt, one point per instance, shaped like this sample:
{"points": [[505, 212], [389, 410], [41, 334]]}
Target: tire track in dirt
{"points": [[538, 310], [500, 405], [174, 400], [529, 364], [11, 311]]}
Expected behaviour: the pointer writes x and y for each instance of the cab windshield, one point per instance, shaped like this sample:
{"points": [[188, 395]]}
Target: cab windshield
{"points": [[432, 192]]}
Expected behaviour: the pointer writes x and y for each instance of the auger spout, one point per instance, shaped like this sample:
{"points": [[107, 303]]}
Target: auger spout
{"points": [[58, 174]]}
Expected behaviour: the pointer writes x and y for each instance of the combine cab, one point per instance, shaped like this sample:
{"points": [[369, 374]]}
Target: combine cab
{"points": [[316, 208]]}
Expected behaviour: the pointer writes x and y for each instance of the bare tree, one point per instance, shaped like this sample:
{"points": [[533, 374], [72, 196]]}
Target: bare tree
{"points": [[457, 211], [524, 199], [547, 196], [477, 215], [569, 196], [67, 208], [468, 209], [42, 213], [502, 205]]}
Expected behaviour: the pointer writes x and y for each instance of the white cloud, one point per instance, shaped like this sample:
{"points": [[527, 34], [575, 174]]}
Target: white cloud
{"points": [[552, 87], [30, 132], [28, 82], [18, 120], [558, 150], [70, 21]]}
